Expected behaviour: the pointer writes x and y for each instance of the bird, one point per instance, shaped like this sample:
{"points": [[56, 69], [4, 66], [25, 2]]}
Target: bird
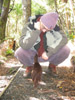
{"points": [[36, 73]]}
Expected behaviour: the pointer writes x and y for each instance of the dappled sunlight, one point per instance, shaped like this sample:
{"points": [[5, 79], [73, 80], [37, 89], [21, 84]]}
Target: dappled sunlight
{"points": [[3, 83], [6, 77], [34, 98], [2, 61], [10, 65], [42, 83], [43, 72], [44, 64], [22, 69], [52, 97], [67, 98]]}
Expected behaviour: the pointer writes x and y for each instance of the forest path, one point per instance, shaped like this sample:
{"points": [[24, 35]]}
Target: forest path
{"points": [[60, 87]]}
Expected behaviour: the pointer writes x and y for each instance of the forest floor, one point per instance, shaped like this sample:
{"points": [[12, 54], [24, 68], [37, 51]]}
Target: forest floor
{"points": [[60, 87], [14, 86], [8, 67]]}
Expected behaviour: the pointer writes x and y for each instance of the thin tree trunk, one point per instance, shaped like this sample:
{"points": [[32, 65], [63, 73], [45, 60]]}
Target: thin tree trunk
{"points": [[56, 5], [73, 11], [67, 21], [3, 18], [16, 24], [26, 9], [1, 3]]}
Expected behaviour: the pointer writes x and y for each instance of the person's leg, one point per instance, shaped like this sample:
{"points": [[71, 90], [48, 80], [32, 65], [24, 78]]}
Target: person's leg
{"points": [[58, 58], [26, 57]]}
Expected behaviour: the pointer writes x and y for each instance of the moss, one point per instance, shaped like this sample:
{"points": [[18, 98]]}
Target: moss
{"points": [[1, 22], [5, 3], [0, 11], [2, 30]]}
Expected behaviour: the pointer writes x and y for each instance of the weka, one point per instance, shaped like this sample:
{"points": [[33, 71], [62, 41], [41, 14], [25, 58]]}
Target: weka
{"points": [[36, 71]]}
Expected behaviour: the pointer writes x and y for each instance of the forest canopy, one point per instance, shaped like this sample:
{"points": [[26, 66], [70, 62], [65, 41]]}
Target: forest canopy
{"points": [[19, 11]]}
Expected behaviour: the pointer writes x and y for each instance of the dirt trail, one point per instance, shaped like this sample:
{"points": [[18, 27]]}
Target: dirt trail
{"points": [[60, 87]]}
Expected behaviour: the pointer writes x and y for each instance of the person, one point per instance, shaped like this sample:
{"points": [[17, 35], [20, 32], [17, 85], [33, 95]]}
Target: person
{"points": [[43, 36]]}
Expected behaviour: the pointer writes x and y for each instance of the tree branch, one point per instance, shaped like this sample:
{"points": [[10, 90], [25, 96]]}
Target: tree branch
{"points": [[5, 8], [1, 3]]}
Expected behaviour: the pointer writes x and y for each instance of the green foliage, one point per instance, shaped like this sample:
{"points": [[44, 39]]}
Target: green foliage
{"points": [[9, 52], [18, 9], [3, 57], [50, 2], [12, 71], [14, 23], [5, 3], [0, 11], [72, 36], [42, 6], [37, 9]]}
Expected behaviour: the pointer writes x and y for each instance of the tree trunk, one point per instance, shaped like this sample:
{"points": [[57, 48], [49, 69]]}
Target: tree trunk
{"points": [[73, 11], [67, 21], [3, 18], [56, 5], [26, 9], [1, 3]]}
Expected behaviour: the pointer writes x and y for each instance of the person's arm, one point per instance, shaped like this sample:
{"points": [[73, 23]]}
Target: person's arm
{"points": [[61, 41], [28, 37]]}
